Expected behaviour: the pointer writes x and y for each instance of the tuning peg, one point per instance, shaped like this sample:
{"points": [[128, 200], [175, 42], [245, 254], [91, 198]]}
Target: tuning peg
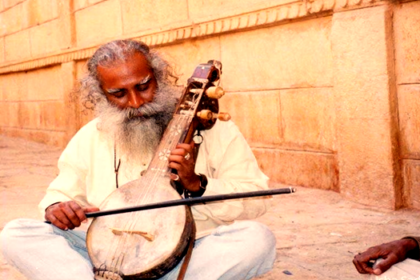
{"points": [[223, 116], [205, 114], [208, 115], [215, 92]]}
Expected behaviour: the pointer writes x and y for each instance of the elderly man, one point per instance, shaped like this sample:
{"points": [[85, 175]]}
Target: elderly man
{"points": [[397, 259], [134, 94]]}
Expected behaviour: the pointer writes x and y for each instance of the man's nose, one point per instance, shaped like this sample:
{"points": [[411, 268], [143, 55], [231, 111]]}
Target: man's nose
{"points": [[134, 100]]}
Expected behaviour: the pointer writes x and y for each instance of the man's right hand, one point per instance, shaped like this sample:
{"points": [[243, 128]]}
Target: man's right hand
{"points": [[67, 215], [391, 253]]}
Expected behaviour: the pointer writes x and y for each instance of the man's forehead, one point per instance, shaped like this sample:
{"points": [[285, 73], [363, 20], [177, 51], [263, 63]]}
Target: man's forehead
{"points": [[136, 65]]}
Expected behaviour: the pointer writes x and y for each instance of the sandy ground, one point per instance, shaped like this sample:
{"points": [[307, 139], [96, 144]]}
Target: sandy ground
{"points": [[318, 232]]}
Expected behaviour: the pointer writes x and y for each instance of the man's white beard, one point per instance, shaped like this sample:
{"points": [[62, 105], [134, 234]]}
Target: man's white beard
{"points": [[136, 138]]}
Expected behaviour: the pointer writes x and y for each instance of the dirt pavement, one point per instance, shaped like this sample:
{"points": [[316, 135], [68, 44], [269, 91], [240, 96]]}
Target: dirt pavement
{"points": [[318, 232]]}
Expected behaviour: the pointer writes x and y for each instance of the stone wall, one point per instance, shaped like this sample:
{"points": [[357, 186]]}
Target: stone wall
{"points": [[325, 91]]}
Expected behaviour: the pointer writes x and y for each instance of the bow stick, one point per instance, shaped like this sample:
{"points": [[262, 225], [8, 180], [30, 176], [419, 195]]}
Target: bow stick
{"points": [[191, 201]]}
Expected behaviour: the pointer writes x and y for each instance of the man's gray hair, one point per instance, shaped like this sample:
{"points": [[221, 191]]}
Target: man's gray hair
{"points": [[121, 50]]}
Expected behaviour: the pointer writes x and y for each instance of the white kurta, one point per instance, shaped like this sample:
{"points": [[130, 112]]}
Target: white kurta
{"points": [[87, 174]]}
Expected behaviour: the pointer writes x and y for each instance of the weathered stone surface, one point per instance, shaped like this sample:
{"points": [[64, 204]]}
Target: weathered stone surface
{"points": [[364, 124], [13, 20], [98, 23], [30, 115], [40, 85], [145, 15], [257, 114], [40, 11], [66, 25], [15, 87], [298, 119], [315, 170], [215, 9], [46, 32], [296, 55], [412, 183], [409, 117], [308, 118], [407, 42], [17, 46], [9, 109]]}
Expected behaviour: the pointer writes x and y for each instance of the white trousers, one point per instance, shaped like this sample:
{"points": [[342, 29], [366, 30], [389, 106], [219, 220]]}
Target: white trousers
{"points": [[41, 251], [406, 270]]}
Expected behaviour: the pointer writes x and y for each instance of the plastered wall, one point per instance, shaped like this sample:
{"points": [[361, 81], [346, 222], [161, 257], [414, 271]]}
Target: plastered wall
{"points": [[325, 91]]}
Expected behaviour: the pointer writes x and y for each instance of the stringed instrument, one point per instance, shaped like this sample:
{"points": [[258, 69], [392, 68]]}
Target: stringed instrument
{"points": [[148, 244]]}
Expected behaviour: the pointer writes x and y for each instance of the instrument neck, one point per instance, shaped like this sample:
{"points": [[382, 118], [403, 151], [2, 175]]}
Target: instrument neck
{"points": [[176, 132]]}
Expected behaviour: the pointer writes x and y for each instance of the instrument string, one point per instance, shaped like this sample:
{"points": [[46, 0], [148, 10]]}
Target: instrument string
{"points": [[158, 168]]}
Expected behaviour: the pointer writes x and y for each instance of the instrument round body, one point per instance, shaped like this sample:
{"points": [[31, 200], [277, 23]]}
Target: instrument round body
{"points": [[144, 244]]}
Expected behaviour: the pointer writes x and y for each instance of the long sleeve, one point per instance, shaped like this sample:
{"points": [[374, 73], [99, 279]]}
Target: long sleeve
{"points": [[228, 162], [414, 254], [74, 167]]}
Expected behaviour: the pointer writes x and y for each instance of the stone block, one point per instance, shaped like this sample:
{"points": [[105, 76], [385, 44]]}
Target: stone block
{"points": [[13, 20], [150, 14], [45, 38], [308, 119], [9, 112], [409, 120], [202, 10], [66, 25], [295, 55], [412, 183], [407, 42], [17, 46], [365, 107], [40, 11], [366, 161], [257, 114], [53, 116], [98, 23], [30, 115], [40, 86], [15, 87], [314, 170]]}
